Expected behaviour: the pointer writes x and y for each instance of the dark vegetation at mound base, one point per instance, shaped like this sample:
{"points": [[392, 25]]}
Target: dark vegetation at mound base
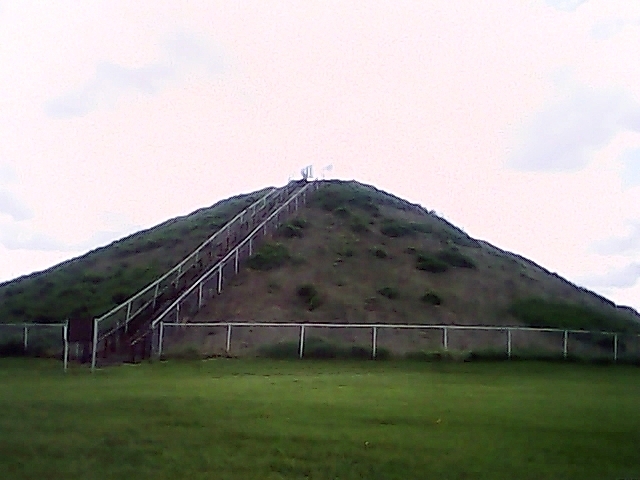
{"points": [[355, 255]]}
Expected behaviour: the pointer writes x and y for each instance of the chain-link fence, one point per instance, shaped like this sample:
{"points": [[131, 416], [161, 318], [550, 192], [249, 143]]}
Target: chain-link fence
{"points": [[184, 300], [390, 340], [149, 298], [33, 339]]}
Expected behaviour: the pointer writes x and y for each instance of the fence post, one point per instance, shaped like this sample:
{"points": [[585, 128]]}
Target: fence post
{"points": [[65, 340], [509, 343], [178, 312], [374, 341], [445, 338], [220, 279], [236, 260], [25, 338], [200, 296], [155, 294], [301, 341], [250, 246], [615, 347], [564, 344], [94, 349], [160, 339], [228, 345], [126, 322]]}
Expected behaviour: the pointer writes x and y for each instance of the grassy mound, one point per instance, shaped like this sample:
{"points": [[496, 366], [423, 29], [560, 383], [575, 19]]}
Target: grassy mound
{"points": [[97, 281]]}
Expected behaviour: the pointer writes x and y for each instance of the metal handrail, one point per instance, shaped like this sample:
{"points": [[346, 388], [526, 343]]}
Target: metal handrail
{"points": [[178, 267], [226, 257]]}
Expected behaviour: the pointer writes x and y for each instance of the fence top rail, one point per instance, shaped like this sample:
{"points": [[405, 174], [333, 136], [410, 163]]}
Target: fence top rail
{"points": [[384, 325], [28, 325], [186, 259], [229, 255]]}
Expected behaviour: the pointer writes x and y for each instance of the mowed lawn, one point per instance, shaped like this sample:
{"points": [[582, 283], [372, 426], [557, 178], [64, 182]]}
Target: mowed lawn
{"points": [[256, 419]]}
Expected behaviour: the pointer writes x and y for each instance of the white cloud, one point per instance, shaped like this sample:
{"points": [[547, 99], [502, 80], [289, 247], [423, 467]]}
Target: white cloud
{"points": [[110, 82], [113, 226], [564, 135], [631, 167], [625, 277], [10, 204], [606, 29], [15, 236], [18, 234], [7, 174], [187, 51], [13, 207], [181, 53], [612, 18], [566, 5], [622, 245]]}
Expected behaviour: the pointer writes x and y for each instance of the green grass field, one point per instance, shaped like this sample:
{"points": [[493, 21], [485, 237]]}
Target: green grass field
{"points": [[257, 419]]}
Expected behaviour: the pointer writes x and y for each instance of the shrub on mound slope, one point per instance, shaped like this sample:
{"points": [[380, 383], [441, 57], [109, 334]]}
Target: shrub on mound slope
{"points": [[538, 312], [269, 256]]}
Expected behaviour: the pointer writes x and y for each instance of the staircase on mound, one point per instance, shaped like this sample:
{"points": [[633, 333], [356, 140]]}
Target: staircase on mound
{"points": [[129, 332]]}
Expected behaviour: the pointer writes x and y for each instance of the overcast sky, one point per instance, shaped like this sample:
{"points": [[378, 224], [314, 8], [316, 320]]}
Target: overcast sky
{"points": [[519, 121]]}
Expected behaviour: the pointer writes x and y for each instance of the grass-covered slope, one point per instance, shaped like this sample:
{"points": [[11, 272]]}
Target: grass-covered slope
{"points": [[359, 255], [106, 276], [355, 255]]}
